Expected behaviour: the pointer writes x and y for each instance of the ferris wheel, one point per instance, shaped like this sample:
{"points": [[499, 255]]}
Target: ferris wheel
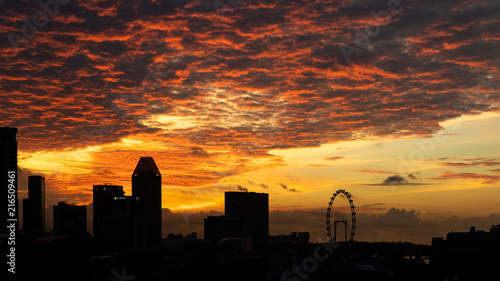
{"points": [[352, 223]]}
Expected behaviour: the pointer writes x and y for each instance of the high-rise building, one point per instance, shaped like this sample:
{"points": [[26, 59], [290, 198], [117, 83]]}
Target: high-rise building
{"points": [[146, 184], [8, 175], [70, 219], [125, 229], [217, 228], [252, 210], [8, 191], [34, 205], [103, 200]]}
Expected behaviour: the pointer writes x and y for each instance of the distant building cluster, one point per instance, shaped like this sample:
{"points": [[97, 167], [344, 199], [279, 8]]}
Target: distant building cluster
{"points": [[299, 238]]}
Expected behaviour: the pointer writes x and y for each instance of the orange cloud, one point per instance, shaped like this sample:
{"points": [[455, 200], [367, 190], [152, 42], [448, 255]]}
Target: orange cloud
{"points": [[266, 76]]}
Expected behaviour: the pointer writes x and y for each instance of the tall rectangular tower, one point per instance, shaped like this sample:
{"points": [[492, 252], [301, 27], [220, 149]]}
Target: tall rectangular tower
{"points": [[34, 205], [146, 184], [103, 199], [8, 164], [8, 193], [252, 210]]}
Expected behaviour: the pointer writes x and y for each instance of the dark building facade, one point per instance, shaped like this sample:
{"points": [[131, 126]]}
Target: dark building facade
{"points": [[252, 211], [217, 228], [70, 219], [34, 205], [125, 229], [467, 255], [8, 191], [146, 184], [103, 200], [8, 163]]}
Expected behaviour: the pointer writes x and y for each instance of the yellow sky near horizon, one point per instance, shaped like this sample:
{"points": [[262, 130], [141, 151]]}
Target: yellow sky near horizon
{"points": [[447, 171]]}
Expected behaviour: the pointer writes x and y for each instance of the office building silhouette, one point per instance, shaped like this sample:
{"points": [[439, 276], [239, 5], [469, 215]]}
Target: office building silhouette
{"points": [[125, 229], [252, 211], [146, 184], [103, 200], [34, 205], [8, 162], [70, 219]]}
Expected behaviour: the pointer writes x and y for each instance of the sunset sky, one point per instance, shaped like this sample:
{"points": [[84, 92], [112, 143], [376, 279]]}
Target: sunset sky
{"points": [[396, 102]]}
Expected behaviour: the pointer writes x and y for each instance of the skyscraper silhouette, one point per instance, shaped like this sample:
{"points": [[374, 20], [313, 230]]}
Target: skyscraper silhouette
{"points": [[103, 199], [146, 184], [8, 162], [34, 205], [8, 191], [252, 210]]}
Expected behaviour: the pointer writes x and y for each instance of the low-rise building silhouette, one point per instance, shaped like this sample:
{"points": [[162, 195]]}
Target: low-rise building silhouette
{"points": [[70, 219], [299, 238], [179, 236], [465, 254]]}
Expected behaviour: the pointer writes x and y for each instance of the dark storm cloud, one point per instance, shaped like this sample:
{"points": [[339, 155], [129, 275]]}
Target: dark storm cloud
{"points": [[394, 180]]}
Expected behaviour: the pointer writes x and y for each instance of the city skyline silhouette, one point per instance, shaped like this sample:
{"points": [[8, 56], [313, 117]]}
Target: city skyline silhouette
{"points": [[316, 215], [123, 227], [249, 139]]}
